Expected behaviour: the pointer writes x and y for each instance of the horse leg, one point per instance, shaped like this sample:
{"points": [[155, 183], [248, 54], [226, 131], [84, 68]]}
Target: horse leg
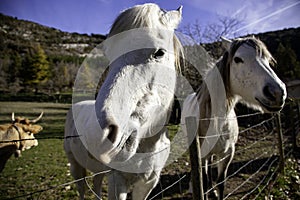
{"points": [[97, 181], [205, 177], [222, 171], [78, 172], [142, 188], [213, 194], [117, 186]]}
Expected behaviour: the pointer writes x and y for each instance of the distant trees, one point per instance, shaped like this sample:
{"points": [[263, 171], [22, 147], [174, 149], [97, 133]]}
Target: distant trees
{"points": [[13, 75], [288, 65], [35, 68], [31, 70], [35, 58], [62, 76]]}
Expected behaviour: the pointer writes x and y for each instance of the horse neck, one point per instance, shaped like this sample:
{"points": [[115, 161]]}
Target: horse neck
{"points": [[216, 92], [214, 101]]}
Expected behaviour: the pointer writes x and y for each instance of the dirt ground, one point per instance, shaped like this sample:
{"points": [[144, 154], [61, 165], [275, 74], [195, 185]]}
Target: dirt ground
{"points": [[252, 169]]}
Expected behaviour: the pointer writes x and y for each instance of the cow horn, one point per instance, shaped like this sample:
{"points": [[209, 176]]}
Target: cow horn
{"points": [[37, 119], [13, 117]]}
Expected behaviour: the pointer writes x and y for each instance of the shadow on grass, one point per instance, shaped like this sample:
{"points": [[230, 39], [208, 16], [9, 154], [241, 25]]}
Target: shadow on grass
{"points": [[179, 190]]}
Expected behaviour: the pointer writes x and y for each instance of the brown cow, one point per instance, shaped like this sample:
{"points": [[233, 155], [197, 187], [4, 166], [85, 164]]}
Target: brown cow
{"points": [[17, 136]]}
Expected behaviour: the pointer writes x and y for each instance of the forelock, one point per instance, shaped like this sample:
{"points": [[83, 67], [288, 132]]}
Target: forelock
{"points": [[135, 17], [258, 45]]}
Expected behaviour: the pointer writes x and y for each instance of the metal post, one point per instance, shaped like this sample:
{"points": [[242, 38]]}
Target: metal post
{"points": [[280, 142], [195, 158]]}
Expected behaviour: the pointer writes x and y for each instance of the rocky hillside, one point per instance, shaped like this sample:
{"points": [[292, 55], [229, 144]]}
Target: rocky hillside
{"points": [[39, 58], [32, 56], [18, 35]]}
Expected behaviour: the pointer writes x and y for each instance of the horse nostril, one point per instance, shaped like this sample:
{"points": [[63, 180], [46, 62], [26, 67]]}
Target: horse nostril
{"points": [[267, 90], [112, 135]]}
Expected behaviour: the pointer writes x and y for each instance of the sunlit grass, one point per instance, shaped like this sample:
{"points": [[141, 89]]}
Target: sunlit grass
{"points": [[41, 171]]}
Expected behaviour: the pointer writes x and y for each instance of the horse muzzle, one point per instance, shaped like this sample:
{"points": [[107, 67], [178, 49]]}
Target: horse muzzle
{"points": [[123, 144], [273, 98]]}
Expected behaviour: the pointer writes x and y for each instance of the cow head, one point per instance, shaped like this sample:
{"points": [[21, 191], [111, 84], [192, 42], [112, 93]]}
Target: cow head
{"points": [[26, 130]]}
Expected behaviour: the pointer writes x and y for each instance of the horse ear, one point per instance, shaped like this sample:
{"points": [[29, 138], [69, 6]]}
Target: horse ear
{"points": [[172, 18], [226, 43], [13, 117]]}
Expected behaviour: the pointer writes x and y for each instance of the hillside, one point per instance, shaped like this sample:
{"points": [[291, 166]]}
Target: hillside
{"points": [[283, 45], [19, 34], [58, 55], [288, 37]]}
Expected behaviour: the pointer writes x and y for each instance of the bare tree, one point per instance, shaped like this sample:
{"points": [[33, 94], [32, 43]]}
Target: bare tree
{"points": [[224, 26], [208, 35]]}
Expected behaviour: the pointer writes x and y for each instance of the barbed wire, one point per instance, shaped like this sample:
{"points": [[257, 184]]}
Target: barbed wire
{"points": [[271, 176], [166, 125], [249, 146], [243, 149], [259, 169], [61, 185], [41, 138], [236, 172], [91, 189], [168, 187], [242, 131], [259, 124], [263, 179]]}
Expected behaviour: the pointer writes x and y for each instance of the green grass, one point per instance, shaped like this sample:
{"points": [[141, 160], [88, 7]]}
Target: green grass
{"points": [[41, 171], [284, 186], [41, 167], [52, 120]]}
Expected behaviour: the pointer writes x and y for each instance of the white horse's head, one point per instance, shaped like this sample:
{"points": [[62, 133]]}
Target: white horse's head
{"points": [[143, 51], [250, 76]]}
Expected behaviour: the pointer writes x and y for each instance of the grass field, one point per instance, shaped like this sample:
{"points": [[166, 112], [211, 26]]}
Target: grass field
{"points": [[43, 172], [41, 167]]}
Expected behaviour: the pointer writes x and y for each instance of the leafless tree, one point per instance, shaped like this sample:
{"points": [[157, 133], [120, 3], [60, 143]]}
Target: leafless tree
{"points": [[208, 33]]}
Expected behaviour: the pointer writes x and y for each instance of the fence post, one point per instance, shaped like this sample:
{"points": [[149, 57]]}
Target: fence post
{"points": [[291, 114], [298, 120], [298, 108], [280, 142], [195, 158]]}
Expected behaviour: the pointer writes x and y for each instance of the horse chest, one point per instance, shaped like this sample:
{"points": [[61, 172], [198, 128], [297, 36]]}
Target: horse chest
{"points": [[223, 139]]}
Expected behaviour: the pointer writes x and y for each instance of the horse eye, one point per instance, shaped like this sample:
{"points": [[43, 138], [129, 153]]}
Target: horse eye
{"points": [[238, 60], [159, 53]]}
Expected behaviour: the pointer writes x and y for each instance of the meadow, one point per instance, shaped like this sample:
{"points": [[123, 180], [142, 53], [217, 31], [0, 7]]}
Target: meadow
{"points": [[43, 171], [41, 167]]}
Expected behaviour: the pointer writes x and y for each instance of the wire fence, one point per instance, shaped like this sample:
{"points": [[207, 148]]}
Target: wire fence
{"points": [[255, 165]]}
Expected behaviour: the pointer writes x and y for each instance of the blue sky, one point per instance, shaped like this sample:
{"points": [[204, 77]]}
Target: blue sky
{"points": [[96, 16]]}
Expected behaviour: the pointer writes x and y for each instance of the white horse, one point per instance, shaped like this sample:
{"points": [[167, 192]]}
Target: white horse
{"points": [[243, 74], [124, 129]]}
